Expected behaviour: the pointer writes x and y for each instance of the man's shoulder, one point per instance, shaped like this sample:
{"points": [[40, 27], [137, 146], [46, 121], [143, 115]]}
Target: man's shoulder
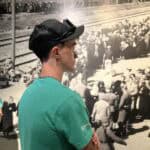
{"points": [[70, 103], [70, 94], [66, 92], [70, 98]]}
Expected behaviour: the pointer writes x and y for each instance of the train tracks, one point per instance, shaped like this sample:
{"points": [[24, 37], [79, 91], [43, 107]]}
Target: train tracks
{"points": [[93, 21], [8, 41]]}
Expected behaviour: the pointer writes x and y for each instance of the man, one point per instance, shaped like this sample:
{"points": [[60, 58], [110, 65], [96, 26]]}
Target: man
{"points": [[108, 58], [77, 84], [124, 107], [103, 107], [52, 116], [107, 136]]}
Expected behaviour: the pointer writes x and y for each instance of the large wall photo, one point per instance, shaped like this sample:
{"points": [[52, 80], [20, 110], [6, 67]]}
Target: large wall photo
{"points": [[112, 65]]}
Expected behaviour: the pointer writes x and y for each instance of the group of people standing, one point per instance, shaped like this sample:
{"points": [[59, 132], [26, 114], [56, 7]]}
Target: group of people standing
{"points": [[124, 40], [113, 110], [6, 116]]}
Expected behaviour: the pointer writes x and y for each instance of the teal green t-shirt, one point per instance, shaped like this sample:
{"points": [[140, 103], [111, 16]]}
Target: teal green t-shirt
{"points": [[1, 103], [52, 117]]}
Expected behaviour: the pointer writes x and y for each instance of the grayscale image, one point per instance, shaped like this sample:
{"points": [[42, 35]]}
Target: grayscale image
{"points": [[112, 66]]}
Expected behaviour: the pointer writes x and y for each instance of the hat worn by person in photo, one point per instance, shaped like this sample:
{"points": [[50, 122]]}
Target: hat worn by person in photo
{"points": [[52, 32]]}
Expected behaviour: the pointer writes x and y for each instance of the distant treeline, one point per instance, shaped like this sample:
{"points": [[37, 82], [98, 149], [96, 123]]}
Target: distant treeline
{"points": [[32, 6], [50, 6]]}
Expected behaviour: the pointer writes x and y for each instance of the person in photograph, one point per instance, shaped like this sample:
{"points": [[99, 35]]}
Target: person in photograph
{"points": [[107, 136]]}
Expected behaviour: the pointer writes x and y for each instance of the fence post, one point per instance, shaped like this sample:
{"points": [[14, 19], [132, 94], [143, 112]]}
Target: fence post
{"points": [[13, 31]]}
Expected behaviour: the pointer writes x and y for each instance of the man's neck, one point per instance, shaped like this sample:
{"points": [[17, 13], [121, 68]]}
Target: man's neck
{"points": [[51, 71]]}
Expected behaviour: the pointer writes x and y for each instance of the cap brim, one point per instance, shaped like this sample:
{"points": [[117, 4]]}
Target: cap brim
{"points": [[78, 32]]}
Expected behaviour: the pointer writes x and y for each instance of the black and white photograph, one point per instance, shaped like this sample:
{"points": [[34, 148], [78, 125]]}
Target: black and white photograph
{"points": [[74, 74]]}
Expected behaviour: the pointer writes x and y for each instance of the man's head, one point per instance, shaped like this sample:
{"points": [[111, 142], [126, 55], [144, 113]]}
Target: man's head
{"points": [[55, 39]]}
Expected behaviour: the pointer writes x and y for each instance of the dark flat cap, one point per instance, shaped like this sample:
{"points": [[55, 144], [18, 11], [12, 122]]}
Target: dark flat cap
{"points": [[53, 32]]}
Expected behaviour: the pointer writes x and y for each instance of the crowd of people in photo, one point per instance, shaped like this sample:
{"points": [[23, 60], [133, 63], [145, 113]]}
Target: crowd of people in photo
{"points": [[97, 50], [113, 106], [9, 75], [125, 40], [117, 106]]}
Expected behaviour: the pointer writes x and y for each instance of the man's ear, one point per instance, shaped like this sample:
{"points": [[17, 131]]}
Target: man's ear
{"points": [[55, 52]]}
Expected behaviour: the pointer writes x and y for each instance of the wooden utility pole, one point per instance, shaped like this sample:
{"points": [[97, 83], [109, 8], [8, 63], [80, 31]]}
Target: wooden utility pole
{"points": [[64, 5], [13, 31]]}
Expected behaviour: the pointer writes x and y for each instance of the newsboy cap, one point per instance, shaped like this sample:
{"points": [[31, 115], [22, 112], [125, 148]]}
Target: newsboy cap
{"points": [[52, 32]]}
